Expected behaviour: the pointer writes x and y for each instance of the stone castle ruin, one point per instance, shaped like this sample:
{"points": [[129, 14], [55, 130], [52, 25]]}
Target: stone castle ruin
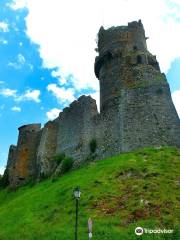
{"points": [[136, 110]]}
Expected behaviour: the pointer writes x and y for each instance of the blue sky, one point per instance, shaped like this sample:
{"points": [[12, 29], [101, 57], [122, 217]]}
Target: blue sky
{"points": [[43, 70]]}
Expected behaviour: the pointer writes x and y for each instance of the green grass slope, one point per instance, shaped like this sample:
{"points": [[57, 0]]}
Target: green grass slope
{"points": [[118, 193]]}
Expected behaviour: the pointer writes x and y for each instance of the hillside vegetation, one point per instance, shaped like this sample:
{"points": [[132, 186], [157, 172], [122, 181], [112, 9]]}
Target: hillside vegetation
{"points": [[118, 193]]}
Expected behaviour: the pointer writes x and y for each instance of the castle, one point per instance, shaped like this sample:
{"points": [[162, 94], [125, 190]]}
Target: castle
{"points": [[136, 110]]}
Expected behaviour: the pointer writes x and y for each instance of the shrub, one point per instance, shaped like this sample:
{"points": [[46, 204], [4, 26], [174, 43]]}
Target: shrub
{"points": [[91, 157], [43, 176], [4, 180], [59, 158], [67, 164], [31, 182], [93, 145]]}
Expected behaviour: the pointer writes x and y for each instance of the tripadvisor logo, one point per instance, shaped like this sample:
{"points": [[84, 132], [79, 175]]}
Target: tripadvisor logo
{"points": [[139, 231]]}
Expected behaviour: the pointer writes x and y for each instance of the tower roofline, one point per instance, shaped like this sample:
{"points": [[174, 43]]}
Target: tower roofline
{"points": [[30, 126]]}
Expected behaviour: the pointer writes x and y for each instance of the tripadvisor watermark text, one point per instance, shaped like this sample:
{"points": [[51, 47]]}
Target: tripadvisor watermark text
{"points": [[139, 231]]}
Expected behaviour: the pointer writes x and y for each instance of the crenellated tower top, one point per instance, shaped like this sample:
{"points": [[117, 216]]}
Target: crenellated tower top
{"points": [[121, 49], [122, 39]]}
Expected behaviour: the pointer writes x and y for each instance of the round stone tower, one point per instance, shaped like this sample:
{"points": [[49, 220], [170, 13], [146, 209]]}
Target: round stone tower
{"points": [[25, 162], [120, 48], [134, 91]]}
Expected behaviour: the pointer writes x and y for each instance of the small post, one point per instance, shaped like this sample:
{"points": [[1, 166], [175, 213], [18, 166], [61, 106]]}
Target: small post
{"points": [[90, 228]]}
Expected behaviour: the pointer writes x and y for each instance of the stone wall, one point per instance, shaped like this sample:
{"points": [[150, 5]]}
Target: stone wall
{"points": [[76, 128], [11, 163], [47, 148]]}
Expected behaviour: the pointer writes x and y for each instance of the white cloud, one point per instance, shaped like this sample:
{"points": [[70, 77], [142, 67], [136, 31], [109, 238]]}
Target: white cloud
{"points": [[30, 95], [176, 100], [62, 94], [31, 67], [62, 81], [67, 36], [20, 61], [71, 43], [18, 4], [8, 92], [53, 113], [97, 98], [4, 27], [57, 74], [14, 65], [16, 109], [3, 41], [2, 170]]}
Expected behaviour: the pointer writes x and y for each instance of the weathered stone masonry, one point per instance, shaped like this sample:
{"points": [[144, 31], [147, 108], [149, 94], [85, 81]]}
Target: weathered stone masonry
{"points": [[22, 164], [136, 110], [144, 112]]}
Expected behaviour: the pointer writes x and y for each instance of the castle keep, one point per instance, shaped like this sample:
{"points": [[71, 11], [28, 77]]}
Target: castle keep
{"points": [[136, 110]]}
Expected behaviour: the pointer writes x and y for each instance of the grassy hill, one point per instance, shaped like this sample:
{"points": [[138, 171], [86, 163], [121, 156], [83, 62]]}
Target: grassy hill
{"points": [[118, 193]]}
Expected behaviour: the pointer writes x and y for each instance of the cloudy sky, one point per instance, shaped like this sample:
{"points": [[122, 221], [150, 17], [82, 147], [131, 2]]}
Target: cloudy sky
{"points": [[47, 54]]}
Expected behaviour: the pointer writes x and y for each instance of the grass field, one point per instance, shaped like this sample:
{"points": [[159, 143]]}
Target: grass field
{"points": [[118, 193]]}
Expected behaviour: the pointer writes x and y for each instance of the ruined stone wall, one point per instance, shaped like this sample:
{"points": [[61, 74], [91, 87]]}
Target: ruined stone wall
{"points": [[47, 148], [23, 160], [76, 128], [11, 163]]}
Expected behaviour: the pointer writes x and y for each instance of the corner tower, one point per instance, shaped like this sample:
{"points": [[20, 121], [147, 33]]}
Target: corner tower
{"points": [[22, 165], [131, 82]]}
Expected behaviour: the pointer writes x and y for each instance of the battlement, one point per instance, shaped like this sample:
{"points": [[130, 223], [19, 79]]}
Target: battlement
{"points": [[81, 104], [122, 39], [35, 127], [125, 44]]}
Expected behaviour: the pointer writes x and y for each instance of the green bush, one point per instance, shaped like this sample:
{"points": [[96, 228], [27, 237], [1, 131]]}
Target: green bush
{"points": [[43, 176], [67, 164], [4, 180], [93, 145], [91, 157], [59, 158]]}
